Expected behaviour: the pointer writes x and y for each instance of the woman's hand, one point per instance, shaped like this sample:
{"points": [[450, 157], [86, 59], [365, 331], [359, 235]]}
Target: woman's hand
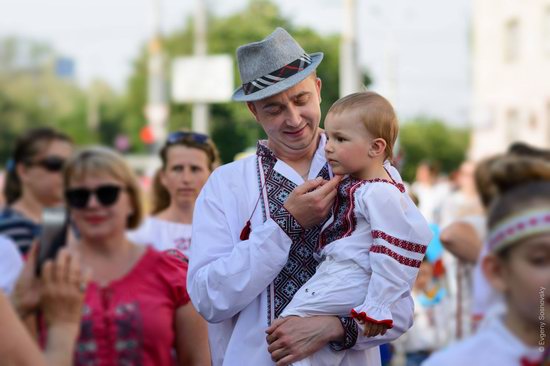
{"points": [[63, 287], [26, 293]]}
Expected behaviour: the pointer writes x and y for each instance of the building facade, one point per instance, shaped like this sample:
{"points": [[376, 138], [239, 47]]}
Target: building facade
{"points": [[511, 75]]}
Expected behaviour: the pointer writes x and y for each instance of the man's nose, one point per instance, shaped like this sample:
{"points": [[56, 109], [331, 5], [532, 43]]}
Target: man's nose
{"points": [[293, 116]]}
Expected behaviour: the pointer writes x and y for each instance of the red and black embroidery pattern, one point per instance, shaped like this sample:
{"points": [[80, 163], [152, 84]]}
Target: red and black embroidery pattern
{"points": [[401, 259], [344, 219], [125, 343], [407, 245]]}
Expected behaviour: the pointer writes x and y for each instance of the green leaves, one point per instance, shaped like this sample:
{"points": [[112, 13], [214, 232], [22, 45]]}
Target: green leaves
{"points": [[424, 139]]}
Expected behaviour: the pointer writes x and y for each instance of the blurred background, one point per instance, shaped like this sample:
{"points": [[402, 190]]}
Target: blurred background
{"points": [[467, 77]]}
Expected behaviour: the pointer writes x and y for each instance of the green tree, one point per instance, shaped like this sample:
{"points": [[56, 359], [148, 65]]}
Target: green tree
{"points": [[432, 139], [232, 126], [32, 95]]}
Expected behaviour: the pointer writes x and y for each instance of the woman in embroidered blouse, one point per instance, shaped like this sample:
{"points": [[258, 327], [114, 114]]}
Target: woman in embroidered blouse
{"points": [[517, 266], [137, 309], [187, 158], [376, 241]]}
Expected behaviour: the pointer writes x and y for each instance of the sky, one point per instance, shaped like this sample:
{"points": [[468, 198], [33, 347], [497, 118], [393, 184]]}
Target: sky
{"points": [[413, 50]]}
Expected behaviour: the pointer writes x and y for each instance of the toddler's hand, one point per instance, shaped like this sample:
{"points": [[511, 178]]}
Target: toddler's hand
{"points": [[373, 329]]}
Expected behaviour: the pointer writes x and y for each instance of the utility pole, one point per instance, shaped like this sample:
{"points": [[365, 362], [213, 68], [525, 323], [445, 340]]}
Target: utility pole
{"points": [[157, 108], [200, 109], [350, 75]]}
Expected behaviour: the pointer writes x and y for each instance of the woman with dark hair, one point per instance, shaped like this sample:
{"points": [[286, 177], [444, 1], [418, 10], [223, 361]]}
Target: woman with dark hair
{"points": [[188, 158], [33, 182]]}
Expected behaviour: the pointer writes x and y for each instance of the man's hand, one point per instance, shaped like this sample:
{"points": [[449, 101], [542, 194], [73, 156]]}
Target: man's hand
{"points": [[293, 338], [311, 202]]}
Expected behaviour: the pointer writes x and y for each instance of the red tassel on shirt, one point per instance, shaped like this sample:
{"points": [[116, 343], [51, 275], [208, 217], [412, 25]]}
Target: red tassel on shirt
{"points": [[245, 232], [527, 362]]}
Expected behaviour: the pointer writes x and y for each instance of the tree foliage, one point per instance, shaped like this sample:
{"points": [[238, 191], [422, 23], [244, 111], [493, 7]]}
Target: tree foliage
{"points": [[232, 126], [32, 95], [425, 139]]}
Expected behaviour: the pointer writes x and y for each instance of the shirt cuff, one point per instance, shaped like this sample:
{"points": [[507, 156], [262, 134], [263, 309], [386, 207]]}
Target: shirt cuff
{"points": [[288, 223], [350, 338]]}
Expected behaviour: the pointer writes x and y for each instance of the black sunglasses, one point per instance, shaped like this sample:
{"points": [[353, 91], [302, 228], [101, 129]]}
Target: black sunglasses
{"points": [[79, 197], [52, 164], [179, 136]]}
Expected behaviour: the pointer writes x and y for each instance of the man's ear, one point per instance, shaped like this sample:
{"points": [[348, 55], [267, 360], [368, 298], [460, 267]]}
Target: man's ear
{"points": [[494, 270], [377, 147], [319, 85], [252, 108]]}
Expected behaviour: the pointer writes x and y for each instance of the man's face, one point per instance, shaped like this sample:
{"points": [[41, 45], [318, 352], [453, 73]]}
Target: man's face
{"points": [[291, 118]]}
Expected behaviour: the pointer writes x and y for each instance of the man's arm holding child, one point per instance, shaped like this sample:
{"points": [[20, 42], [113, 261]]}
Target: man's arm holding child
{"points": [[225, 273], [294, 338]]}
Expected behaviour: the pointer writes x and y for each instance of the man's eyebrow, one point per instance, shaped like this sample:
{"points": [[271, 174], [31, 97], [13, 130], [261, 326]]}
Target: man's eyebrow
{"points": [[271, 105], [278, 104], [302, 94]]}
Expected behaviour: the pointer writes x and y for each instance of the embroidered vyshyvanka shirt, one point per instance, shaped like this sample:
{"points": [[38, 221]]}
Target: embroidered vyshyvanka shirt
{"points": [[377, 226], [237, 285]]}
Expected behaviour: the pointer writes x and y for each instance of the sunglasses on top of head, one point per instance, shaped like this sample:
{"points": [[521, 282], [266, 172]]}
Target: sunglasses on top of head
{"points": [[106, 195], [50, 163], [179, 136]]}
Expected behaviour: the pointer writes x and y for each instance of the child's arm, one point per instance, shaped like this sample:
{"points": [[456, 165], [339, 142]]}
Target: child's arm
{"points": [[400, 237]]}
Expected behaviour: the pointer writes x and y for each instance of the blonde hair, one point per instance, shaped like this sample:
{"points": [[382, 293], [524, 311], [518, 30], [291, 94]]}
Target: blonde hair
{"points": [[98, 160], [375, 112]]}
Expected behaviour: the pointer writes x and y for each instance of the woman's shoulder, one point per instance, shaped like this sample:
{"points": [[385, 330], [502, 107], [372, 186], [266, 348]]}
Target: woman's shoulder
{"points": [[170, 265], [10, 215]]}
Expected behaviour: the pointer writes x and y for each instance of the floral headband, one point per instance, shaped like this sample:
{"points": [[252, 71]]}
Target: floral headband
{"points": [[518, 227]]}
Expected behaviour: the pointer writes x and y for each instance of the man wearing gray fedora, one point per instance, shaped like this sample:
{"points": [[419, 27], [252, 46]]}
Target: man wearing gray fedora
{"points": [[257, 221]]}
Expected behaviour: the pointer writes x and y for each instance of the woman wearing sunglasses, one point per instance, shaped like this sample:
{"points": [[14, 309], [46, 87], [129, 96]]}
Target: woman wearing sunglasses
{"points": [[33, 182], [187, 158], [137, 309]]}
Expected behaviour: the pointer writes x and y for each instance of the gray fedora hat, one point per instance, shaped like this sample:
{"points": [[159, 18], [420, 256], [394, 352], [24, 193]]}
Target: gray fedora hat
{"points": [[272, 65]]}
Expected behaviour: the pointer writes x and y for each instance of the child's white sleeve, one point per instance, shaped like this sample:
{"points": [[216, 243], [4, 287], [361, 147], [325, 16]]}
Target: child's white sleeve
{"points": [[400, 239]]}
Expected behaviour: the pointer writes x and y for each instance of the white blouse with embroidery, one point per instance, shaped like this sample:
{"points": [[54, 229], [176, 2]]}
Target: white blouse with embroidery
{"points": [[378, 228]]}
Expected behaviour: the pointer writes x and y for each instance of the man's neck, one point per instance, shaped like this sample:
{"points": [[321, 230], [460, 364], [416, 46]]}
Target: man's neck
{"points": [[299, 160]]}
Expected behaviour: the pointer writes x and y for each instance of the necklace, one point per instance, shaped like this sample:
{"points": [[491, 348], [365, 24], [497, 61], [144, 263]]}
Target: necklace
{"points": [[305, 175]]}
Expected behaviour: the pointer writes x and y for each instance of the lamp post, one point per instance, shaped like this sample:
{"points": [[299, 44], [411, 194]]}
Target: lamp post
{"points": [[350, 75], [200, 109]]}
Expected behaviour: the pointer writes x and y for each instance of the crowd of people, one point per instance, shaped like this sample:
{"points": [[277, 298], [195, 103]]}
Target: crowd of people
{"points": [[312, 251]]}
